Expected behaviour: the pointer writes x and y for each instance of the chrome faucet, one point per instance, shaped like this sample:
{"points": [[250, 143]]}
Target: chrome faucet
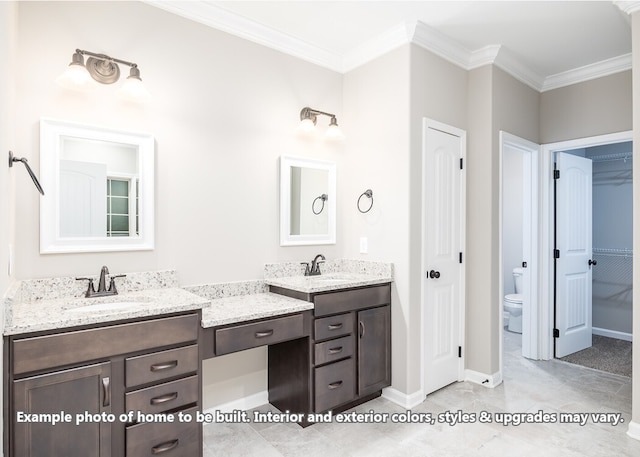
{"points": [[102, 286], [315, 265]]}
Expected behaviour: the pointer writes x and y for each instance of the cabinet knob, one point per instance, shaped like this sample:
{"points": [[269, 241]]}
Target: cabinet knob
{"points": [[335, 385]]}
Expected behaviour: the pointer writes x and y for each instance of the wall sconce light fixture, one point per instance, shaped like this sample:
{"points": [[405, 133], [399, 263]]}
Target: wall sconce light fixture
{"points": [[105, 70], [309, 118]]}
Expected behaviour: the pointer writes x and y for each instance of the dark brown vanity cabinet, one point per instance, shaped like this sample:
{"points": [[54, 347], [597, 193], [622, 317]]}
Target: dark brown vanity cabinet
{"points": [[350, 352], [76, 391], [99, 379]]}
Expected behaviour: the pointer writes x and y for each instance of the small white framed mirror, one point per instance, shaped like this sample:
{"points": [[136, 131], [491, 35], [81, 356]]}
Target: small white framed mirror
{"points": [[100, 188], [307, 201]]}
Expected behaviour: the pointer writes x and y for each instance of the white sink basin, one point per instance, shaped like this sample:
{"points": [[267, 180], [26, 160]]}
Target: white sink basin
{"points": [[329, 279], [112, 306]]}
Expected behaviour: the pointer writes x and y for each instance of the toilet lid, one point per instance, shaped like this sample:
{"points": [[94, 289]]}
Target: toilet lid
{"points": [[513, 298]]}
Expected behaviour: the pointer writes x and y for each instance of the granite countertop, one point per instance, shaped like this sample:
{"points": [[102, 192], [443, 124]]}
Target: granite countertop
{"points": [[327, 282], [242, 308], [56, 303], [60, 313]]}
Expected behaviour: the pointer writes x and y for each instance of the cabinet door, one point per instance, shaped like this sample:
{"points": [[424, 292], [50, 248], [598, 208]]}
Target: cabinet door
{"points": [[78, 391], [374, 350]]}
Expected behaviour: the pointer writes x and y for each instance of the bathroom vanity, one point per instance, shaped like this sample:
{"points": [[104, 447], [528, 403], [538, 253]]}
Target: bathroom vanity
{"points": [[112, 379]]}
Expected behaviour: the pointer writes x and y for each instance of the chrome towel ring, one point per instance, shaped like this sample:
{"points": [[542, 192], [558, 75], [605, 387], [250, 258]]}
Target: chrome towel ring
{"points": [[323, 198], [369, 194]]}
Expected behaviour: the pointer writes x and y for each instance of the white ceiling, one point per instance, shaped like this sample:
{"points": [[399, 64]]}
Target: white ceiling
{"points": [[545, 44]]}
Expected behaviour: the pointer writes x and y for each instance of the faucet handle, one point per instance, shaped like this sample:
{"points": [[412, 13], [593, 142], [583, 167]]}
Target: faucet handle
{"points": [[307, 271], [90, 289], [112, 283]]}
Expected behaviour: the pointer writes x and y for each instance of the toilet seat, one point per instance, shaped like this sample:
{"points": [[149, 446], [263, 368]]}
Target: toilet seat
{"points": [[515, 299]]}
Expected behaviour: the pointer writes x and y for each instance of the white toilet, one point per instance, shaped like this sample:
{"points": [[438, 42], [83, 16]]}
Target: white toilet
{"points": [[513, 304]]}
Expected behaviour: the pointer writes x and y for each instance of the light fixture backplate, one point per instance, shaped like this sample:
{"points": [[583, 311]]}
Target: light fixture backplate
{"points": [[102, 70]]}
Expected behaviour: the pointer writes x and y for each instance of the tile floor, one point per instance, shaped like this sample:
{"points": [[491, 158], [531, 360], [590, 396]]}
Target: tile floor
{"points": [[552, 387]]}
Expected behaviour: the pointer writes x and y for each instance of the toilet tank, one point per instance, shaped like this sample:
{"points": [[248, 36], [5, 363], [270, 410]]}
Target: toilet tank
{"points": [[517, 279]]}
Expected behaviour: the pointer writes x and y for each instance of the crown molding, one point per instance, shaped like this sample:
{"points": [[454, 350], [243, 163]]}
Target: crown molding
{"points": [[628, 7], [378, 46], [218, 18], [588, 72], [416, 33]]}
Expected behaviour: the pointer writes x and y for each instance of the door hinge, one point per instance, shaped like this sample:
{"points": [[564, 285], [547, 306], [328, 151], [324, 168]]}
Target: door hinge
{"points": [[556, 253], [459, 352], [556, 333], [556, 174], [524, 264], [461, 162], [460, 258]]}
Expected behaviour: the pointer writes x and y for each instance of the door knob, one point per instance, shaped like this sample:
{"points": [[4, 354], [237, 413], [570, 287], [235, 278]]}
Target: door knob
{"points": [[593, 262], [434, 274]]}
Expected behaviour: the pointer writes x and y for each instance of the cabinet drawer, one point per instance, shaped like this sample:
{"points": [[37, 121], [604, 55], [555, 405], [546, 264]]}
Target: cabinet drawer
{"points": [[176, 439], [350, 300], [237, 338], [148, 368], [167, 396], [42, 352], [334, 384], [334, 326], [332, 350]]}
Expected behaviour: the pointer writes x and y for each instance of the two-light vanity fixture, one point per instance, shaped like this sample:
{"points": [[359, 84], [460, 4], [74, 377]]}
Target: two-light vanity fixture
{"points": [[105, 70], [309, 118]]}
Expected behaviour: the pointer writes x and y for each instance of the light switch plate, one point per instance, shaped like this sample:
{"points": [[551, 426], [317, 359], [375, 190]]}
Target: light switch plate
{"points": [[364, 245]]}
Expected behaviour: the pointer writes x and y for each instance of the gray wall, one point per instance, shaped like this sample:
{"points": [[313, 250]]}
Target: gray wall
{"points": [[634, 427], [591, 108]]}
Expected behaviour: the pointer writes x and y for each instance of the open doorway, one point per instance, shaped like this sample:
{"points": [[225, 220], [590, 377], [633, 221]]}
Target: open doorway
{"points": [[547, 245], [519, 243], [608, 307]]}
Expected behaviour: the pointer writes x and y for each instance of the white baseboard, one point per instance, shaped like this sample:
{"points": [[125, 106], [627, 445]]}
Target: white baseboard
{"points": [[243, 404], [487, 380], [634, 430], [612, 334], [402, 399]]}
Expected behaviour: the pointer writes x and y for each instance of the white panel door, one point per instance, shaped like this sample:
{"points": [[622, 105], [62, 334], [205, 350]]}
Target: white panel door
{"points": [[83, 199], [443, 240], [573, 244]]}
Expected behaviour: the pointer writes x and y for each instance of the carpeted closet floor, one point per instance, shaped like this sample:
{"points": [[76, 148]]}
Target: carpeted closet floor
{"points": [[606, 354]]}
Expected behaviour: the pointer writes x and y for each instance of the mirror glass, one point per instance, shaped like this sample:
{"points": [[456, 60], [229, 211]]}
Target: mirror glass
{"points": [[307, 201], [99, 188]]}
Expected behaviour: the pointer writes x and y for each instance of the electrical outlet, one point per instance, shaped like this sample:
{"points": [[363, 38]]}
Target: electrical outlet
{"points": [[364, 245]]}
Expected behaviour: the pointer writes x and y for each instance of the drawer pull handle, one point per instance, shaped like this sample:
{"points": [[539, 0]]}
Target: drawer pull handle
{"points": [[335, 350], [106, 390], [335, 326], [335, 385], [264, 334], [163, 398], [164, 447], [164, 366]]}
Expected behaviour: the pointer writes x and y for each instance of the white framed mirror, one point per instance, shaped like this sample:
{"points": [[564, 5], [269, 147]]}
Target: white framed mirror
{"points": [[99, 188], [307, 201]]}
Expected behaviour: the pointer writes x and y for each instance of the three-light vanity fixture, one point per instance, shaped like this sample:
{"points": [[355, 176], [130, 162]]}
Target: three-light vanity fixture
{"points": [[105, 70], [309, 118]]}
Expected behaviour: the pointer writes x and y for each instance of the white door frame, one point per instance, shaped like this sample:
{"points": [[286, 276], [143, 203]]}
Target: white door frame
{"points": [[429, 123], [547, 222], [530, 316]]}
